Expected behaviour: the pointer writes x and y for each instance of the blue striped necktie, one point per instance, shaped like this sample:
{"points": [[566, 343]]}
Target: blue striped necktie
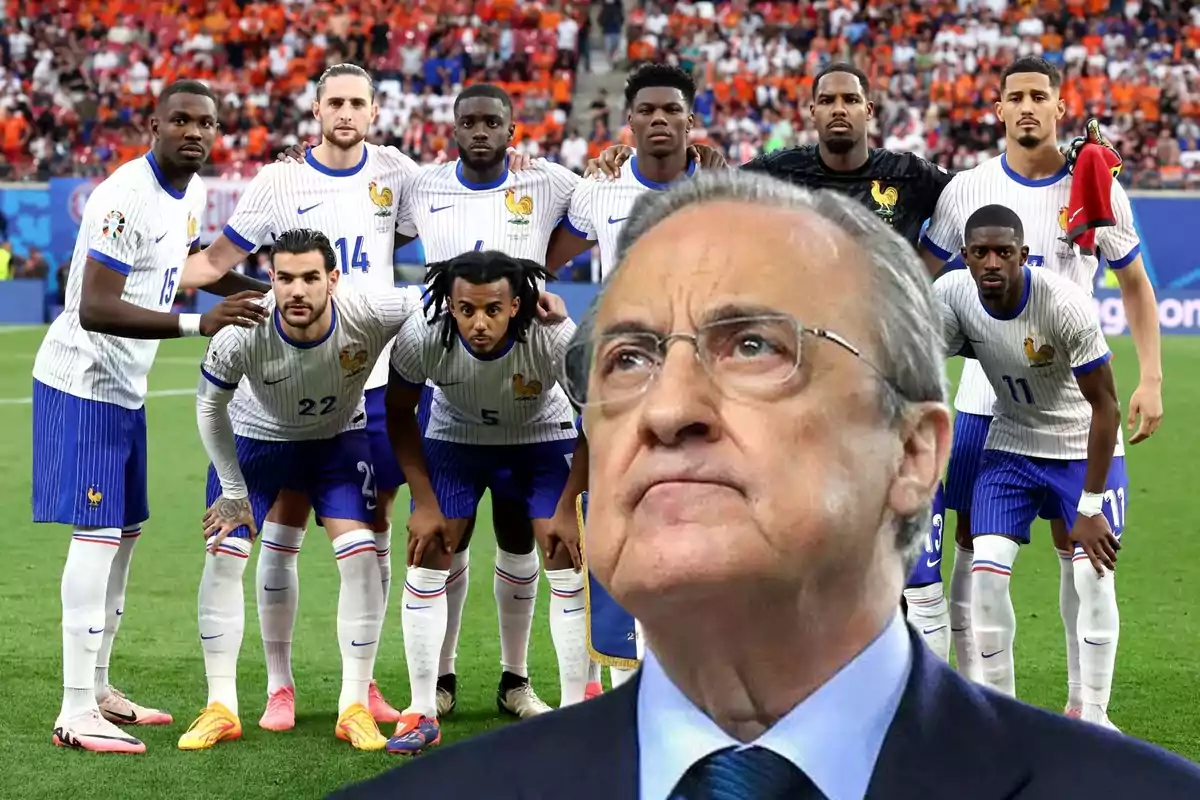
{"points": [[745, 773]]}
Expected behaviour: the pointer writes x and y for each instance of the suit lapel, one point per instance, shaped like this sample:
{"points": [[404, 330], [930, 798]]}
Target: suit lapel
{"points": [[945, 741], [597, 758]]}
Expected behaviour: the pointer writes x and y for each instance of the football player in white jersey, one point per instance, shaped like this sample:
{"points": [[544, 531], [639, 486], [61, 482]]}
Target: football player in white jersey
{"points": [[347, 189], [296, 423], [477, 202], [1033, 179], [500, 421], [1053, 448], [89, 391]]}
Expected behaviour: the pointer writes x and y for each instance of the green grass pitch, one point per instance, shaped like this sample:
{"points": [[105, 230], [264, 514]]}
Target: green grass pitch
{"points": [[157, 657]]}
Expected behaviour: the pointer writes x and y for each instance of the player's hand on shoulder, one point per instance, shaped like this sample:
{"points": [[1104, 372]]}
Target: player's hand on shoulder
{"points": [[707, 157], [224, 517], [608, 165], [244, 309], [427, 528], [551, 309], [519, 162], [1098, 541], [295, 153]]}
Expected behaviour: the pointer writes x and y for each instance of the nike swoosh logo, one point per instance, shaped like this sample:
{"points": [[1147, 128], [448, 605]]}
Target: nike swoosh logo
{"points": [[1076, 214], [1094, 644], [974, 341], [519, 597], [204, 638], [306, 210], [275, 588], [612, 221], [933, 630], [416, 608], [572, 610], [362, 644], [989, 655], [932, 564], [120, 611], [159, 239], [433, 210], [123, 717], [95, 630], [449, 383], [277, 380]]}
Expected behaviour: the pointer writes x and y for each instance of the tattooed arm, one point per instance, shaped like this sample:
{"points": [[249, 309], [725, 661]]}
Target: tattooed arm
{"points": [[232, 509]]}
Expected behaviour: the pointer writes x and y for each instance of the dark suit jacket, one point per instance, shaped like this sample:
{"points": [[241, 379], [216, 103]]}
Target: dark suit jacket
{"points": [[950, 739]]}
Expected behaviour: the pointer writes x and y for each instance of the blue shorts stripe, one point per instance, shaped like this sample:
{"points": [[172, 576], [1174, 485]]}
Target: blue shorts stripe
{"points": [[966, 450], [388, 475], [89, 461]]}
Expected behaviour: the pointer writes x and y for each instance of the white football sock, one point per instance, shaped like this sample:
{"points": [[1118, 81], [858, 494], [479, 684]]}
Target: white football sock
{"points": [[1099, 627], [995, 621], [1068, 607], [456, 597], [929, 614], [360, 613], [383, 555], [114, 605], [424, 624], [516, 588], [966, 655], [278, 591], [222, 616], [83, 591], [619, 675], [594, 673], [568, 631]]}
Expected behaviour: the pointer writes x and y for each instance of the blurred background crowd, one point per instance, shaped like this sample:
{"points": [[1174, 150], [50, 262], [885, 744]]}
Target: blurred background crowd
{"points": [[77, 77]]}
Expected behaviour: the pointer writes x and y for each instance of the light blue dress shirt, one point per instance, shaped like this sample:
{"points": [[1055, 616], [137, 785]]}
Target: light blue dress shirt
{"points": [[834, 735]]}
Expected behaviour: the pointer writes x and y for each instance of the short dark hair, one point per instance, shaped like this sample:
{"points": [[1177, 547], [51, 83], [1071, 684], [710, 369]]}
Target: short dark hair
{"points": [[186, 86], [664, 75], [849, 69], [337, 70], [298, 241], [1033, 64], [479, 267], [484, 90], [995, 216]]}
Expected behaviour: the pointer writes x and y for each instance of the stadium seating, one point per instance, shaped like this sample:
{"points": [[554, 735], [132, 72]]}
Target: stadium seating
{"points": [[78, 78], [934, 66]]}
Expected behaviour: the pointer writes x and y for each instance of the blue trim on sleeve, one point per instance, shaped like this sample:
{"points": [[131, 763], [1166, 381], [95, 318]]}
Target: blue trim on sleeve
{"points": [[195, 243], [239, 240], [944, 255], [403, 380], [1127, 259], [571, 229], [215, 381], [115, 264], [1094, 364]]}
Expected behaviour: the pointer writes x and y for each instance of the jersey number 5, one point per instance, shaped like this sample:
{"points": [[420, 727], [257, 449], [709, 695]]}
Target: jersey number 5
{"points": [[490, 416], [359, 258]]}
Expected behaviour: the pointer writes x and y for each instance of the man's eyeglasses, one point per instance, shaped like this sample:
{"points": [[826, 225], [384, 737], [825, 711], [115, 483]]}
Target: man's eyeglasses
{"points": [[749, 355]]}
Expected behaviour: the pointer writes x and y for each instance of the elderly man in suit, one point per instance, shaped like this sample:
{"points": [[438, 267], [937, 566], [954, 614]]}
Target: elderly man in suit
{"points": [[764, 395]]}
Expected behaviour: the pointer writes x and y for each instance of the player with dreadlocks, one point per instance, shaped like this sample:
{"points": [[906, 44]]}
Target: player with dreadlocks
{"points": [[499, 421]]}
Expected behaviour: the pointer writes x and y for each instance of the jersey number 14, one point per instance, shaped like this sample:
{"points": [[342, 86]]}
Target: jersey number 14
{"points": [[352, 258]]}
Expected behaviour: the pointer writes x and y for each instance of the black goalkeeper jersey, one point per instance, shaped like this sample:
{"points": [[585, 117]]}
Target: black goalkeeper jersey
{"points": [[901, 188]]}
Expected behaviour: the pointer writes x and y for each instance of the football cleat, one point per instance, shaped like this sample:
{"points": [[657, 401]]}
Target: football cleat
{"points": [[215, 724], [520, 701], [381, 710], [594, 689], [120, 710], [356, 726], [413, 734], [91, 731], [280, 714]]}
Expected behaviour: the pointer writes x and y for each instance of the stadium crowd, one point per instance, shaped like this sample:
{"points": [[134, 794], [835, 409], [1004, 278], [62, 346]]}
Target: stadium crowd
{"points": [[77, 78]]}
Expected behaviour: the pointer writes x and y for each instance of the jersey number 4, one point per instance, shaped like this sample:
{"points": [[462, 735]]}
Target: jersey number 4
{"points": [[352, 259]]}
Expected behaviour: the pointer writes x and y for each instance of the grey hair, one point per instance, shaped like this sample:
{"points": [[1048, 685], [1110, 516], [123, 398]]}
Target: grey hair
{"points": [[910, 348]]}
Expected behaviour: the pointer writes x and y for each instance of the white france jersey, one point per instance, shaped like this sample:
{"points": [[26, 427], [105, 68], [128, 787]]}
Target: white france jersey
{"points": [[510, 397], [599, 208], [137, 224], [356, 208], [1042, 206], [291, 391], [515, 214], [1031, 360]]}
